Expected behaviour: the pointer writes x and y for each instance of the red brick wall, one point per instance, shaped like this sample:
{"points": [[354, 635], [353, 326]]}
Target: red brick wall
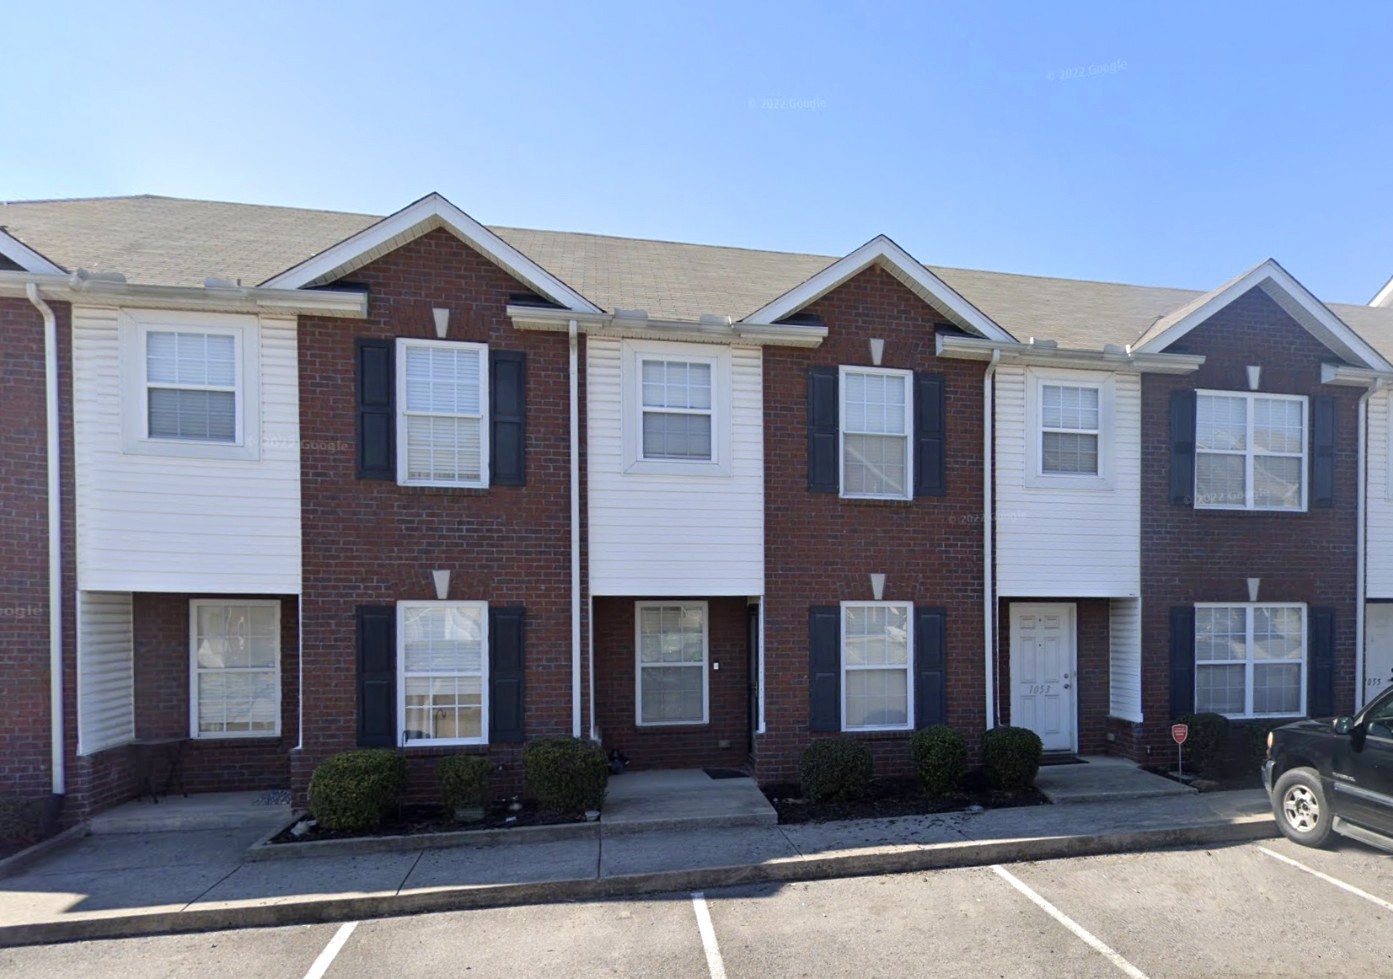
{"points": [[686, 746], [820, 549], [374, 542], [1191, 555]]}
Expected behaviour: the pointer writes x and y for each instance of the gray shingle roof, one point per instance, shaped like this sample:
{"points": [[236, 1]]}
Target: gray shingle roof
{"points": [[171, 241]]}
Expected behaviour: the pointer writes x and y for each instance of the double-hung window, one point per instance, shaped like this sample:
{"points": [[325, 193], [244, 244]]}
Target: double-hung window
{"points": [[876, 407], [442, 671], [1250, 451], [1069, 429], [1250, 660], [191, 385], [442, 391], [234, 674], [676, 405], [876, 666], [671, 682]]}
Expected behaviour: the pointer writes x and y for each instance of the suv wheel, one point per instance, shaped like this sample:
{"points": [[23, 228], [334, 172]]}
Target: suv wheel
{"points": [[1298, 801]]}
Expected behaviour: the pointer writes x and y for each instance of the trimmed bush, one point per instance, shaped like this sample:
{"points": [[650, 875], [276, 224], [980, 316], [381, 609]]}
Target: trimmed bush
{"points": [[21, 819], [567, 776], [357, 789], [464, 781], [1011, 758], [940, 758], [835, 769], [1207, 745]]}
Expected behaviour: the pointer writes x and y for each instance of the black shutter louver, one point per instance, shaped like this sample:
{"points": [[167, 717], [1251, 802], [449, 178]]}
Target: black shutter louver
{"points": [[376, 418], [507, 417], [506, 674], [822, 430], [929, 429], [377, 676], [1320, 690], [1182, 436], [824, 668], [1182, 651], [1323, 451], [930, 662]]}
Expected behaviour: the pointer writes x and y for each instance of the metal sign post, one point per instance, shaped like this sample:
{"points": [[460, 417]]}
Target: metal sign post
{"points": [[1179, 732]]}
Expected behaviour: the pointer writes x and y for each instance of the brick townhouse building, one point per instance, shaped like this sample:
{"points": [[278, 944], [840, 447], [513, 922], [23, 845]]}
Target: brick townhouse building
{"points": [[315, 480]]}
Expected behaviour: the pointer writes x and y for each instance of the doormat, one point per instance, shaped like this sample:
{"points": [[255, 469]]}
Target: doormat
{"points": [[724, 773], [1047, 760]]}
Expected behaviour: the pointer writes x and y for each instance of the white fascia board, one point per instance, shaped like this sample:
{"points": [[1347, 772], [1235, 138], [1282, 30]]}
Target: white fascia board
{"points": [[1294, 298], [643, 328], [25, 257], [899, 263], [972, 348], [1384, 297], [1343, 375], [348, 304], [430, 212]]}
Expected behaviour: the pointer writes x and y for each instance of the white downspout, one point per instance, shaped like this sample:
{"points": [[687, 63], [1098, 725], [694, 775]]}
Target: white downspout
{"points": [[988, 526], [1360, 542], [575, 532], [55, 542]]}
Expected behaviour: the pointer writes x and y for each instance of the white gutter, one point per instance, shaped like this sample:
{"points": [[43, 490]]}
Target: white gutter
{"points": [[638, 324], [1047, 353], [1361, 543], [575, 531], [55, 542], [988, 528], [82, 286]]}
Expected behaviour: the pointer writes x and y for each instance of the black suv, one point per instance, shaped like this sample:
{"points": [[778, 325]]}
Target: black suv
{"points": [[1327, 776]]}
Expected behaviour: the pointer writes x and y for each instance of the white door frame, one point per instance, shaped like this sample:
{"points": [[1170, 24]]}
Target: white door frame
{"points": [[1071, 611]]}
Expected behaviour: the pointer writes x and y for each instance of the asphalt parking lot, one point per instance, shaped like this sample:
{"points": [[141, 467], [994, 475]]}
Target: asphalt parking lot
{"points": [[1242, 910]]}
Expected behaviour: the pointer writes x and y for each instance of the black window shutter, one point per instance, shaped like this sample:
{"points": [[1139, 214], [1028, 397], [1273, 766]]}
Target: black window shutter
{"points": [[1182, 660], [825, 668], [1323, 451], [507, 417], [505, 674], [1182, 488], [1320, 692], [377, 421], [929, 427], [377, 676], [822, 430], [930, 661]]}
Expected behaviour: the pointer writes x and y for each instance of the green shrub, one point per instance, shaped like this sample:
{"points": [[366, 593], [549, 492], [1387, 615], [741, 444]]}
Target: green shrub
{"points": [[566, 775], [837, 769], [1207, 745], [940, 758], [1247, 747], [1011, 757], [21, 820], [357, 789], [464, 781]]}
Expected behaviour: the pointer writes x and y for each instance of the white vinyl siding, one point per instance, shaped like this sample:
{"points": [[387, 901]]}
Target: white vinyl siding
{"points": [[677, 406], [234, 669], [671, 675], [1250, 659], [877, 405], [442, 672], [1069, 429], [1124, 659], [675, 528], [1380, 496], [442, 421], [105, 671], [191, 517], [1250, 451], [877, 666]]}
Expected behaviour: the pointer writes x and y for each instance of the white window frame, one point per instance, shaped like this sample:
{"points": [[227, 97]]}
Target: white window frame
{"points": [[1249, 662], [134, 328], [195, 671], [633, 353], [1250, 451], [1036, 382], [908, 377], [402, 675], [908, 667], [399, 397], [704, 666]]}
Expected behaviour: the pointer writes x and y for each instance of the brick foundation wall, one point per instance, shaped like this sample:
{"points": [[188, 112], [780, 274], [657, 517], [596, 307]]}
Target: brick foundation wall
{"points": [[685, 746], [820, 549], [1191, 555]]}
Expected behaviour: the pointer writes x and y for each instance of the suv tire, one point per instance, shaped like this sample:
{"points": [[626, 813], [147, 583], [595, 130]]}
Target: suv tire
{"points": [[1298, 802]]}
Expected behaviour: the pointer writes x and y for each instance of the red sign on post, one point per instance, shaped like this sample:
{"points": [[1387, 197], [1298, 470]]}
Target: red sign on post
{"points": [[1179, 732]]}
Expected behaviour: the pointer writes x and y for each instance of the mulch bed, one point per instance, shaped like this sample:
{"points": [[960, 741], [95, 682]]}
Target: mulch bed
{"points": [[1221, 783], [411, 820], [895, 797]]}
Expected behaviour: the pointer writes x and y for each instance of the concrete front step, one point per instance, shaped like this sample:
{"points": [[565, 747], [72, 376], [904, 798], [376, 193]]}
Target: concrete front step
{"points": [[1104, 779], [683, 799], [209, 810]]}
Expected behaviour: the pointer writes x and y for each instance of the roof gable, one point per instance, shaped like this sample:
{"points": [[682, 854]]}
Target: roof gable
{"points": [[427, 214], [1294, 298], [881, 251], [25, 257]]}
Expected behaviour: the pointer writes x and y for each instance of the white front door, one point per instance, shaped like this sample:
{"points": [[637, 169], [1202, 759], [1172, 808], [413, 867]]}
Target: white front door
{"points": [[1043, 687]]}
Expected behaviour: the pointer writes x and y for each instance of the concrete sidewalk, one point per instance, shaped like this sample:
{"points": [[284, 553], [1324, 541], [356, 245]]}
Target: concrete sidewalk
{"points": [[136, 884]]}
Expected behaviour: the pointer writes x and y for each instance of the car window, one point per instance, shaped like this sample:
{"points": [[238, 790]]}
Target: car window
{"points": [[1380, 718]]}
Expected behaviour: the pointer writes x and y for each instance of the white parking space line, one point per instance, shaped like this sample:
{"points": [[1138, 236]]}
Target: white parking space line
{"points": [[1097, 944], [331, 951], [1386, 905], [714, 965]]}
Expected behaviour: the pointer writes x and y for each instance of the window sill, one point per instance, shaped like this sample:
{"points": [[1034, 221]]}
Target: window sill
{"points": [[179, 449], [1050, 481], [414, 484], [1210, 508], [426, 745], [674, 727], [203, 738], [880, 734]]}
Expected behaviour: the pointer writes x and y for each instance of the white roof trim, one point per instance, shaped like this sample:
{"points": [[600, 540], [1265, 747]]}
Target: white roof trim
{"points": [[25, 257], [881, 251], [1385, 295], [1293, 297], [430, 212]]}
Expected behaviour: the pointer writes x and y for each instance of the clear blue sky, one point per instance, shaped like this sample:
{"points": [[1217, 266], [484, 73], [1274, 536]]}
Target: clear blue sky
{"points": [[1169, 144]]}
